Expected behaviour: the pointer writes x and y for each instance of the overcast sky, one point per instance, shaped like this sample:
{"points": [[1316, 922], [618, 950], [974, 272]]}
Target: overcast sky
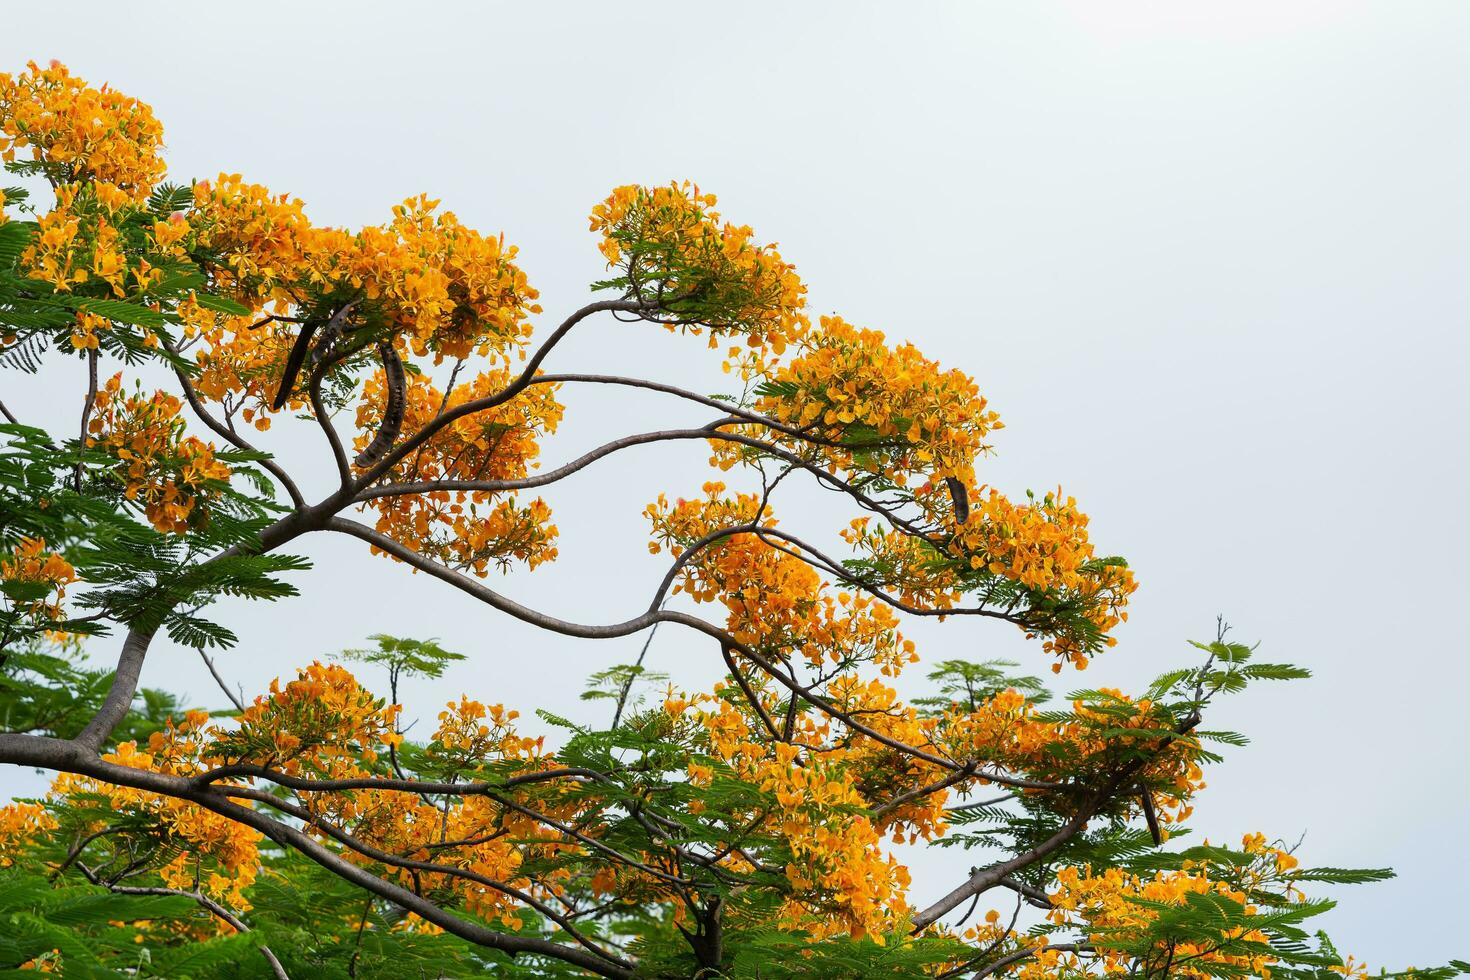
{"points": [[1208, 261]]}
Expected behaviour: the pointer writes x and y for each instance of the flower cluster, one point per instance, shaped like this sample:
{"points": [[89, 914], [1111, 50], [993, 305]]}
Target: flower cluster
{"points": [[79, 133], [451, 290], [1043, 546], [776, 601], [1114, 904], [841, 878], [98, 239], [468, 529], [257, 243], [863, 406], [206, 850], [240, 359], [21, 823], [45, 571], [172, 475], [675, 253], [323, 722], [470, 733], [424, 275], [1039, 551]]}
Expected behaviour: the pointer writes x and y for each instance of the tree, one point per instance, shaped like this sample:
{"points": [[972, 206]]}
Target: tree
{"points": [[738, 832]]}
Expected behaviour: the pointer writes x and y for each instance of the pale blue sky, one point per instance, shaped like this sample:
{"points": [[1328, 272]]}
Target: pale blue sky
{"points": [[1208, 261]]}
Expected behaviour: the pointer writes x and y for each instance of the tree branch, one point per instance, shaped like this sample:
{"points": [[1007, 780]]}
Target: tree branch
{"points": [[204, 901], [528, 373], [119, 699], [66, 756], [234, 438]]}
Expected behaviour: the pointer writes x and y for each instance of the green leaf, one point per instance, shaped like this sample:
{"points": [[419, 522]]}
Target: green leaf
{"points": [[221, 304], [138, 316]]}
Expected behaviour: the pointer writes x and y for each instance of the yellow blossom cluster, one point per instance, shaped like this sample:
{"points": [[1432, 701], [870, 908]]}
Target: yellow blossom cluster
{"points": [[172, 475], [100, 151], [80, 241], [469, 529], [31, 561], [1042, 546], [876, 409], [80, 133], [240, 359], [1116, 901], [471, 732], [776, 601], [218, 853], [423, 281], [449, 290], [1007, 730], [882, 772], [834, 852], [21, 823], [1004, 732], [258, 242], [323, 722], [325, 725], [842, 880], [673, 250]]}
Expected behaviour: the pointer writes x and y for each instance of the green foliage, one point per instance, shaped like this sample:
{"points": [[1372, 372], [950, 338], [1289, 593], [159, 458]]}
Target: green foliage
{"points": [[968, 684], [137, 576], [87, 932], [404, 657]]}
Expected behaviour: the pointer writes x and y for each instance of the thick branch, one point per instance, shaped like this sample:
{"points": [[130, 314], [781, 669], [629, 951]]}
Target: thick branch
{"points": [[119, 700], [64, 756]]}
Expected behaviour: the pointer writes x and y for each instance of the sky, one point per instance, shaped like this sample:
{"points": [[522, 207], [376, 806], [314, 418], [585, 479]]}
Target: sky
{"points": [[1206, 260]]}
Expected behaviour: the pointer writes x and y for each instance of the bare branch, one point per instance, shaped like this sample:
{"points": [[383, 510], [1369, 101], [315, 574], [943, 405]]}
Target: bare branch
{"points": [[528, 373], [234, 438], [235, 699], [119, 699], [87, 405], [204, 901], [334, 440]]}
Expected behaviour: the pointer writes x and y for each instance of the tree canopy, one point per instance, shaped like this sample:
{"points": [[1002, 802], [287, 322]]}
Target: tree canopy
{"points": [[748, 830]]}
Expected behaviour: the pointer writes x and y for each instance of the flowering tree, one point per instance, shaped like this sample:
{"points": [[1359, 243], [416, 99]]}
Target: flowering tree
{"points": [[741, 831]]}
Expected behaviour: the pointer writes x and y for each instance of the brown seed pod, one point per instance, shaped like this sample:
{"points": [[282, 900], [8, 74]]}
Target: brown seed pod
{"points": [[392, 423], [302, 347], [960, 497]]}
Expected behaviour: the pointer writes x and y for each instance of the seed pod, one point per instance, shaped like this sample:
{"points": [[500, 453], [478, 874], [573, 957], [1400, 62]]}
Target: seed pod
{"points": [[302, 347], [960, 498], [331, 334], [392, 423], [1151, 817]]}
